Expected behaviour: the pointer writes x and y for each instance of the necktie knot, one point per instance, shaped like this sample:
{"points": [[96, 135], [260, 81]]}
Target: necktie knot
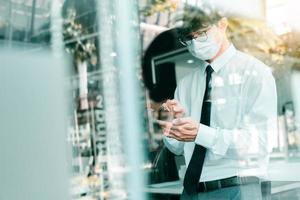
{"points": [[209, 70]]}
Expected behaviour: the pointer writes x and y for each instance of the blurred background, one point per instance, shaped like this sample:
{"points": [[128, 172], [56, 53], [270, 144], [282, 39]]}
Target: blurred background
{"points": [[77, 79]]}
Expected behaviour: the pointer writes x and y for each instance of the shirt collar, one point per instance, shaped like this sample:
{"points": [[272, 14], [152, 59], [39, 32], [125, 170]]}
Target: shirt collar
{"points": [[221, 60]]}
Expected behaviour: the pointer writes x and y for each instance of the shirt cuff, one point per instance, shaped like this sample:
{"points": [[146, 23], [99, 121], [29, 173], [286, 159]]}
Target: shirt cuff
{"points": [[173, 145], [206, 136]]}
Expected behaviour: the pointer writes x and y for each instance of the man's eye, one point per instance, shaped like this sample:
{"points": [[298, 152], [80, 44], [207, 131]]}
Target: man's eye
{"points": [[202, 34]]}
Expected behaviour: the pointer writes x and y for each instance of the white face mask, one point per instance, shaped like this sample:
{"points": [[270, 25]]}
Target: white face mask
{"points": [[204, 50]]}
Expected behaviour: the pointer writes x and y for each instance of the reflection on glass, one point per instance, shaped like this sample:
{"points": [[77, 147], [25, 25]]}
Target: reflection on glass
{"points": [[261, 140]]}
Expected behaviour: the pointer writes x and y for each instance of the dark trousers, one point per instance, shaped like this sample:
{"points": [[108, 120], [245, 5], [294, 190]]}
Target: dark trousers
{"points": [[242, 192]]}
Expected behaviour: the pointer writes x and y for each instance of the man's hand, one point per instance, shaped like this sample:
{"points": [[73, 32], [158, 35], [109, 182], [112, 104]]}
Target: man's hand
{"points": [[174, 107], [165, 125], [183, 129]]}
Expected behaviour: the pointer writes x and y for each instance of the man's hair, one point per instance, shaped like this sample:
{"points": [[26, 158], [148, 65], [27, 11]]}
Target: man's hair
{"points": [[194, 18]]}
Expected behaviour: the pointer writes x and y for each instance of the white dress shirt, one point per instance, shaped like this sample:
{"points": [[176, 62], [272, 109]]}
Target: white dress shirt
{"points": [[243, 113]]}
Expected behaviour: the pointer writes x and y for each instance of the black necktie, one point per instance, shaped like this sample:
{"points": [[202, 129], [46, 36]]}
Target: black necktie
{"points": [[193, 172]]}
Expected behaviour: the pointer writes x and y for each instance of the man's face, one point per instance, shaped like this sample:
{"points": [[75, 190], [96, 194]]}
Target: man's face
{"points": [[216, 31], [206, 44]]}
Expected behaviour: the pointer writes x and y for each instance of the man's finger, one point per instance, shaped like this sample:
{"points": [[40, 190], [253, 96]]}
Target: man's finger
{"points": [[176, 128], [181, 121], [178, 114], [185, 127], [172, 101], [178, 109], [183, 138], [162, 123], [171, 104], [164, 107], [175, 133], [172, 136], [183, 132], [178, 136], [189, 127], [166, 132]]}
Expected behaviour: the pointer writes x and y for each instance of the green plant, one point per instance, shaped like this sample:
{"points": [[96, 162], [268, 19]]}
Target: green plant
{"points": [[82, 48]]}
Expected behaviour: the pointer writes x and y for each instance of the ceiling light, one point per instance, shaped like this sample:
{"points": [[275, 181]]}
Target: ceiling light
{"points": [[190, 61]]}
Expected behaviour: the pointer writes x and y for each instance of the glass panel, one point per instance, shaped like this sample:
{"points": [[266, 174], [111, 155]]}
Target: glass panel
{"points": [[242, 138], [100, 100]]}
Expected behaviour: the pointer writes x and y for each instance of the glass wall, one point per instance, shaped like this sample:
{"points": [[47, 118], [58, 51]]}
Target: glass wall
{"points": [[108, 99], [265, 147]]}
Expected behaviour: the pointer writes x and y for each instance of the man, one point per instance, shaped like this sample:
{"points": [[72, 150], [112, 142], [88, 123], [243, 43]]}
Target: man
{"points": [[223, 112]]}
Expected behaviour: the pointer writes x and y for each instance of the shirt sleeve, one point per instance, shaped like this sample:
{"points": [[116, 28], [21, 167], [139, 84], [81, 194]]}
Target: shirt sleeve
{"points": [[172, 144], [249, 138]]}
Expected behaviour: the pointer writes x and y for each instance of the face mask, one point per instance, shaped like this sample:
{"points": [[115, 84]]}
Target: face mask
{"points": [[204, 50]]}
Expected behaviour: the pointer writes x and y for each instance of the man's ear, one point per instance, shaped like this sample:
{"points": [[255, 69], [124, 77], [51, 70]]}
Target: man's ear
{"points": [[223, 23]]}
